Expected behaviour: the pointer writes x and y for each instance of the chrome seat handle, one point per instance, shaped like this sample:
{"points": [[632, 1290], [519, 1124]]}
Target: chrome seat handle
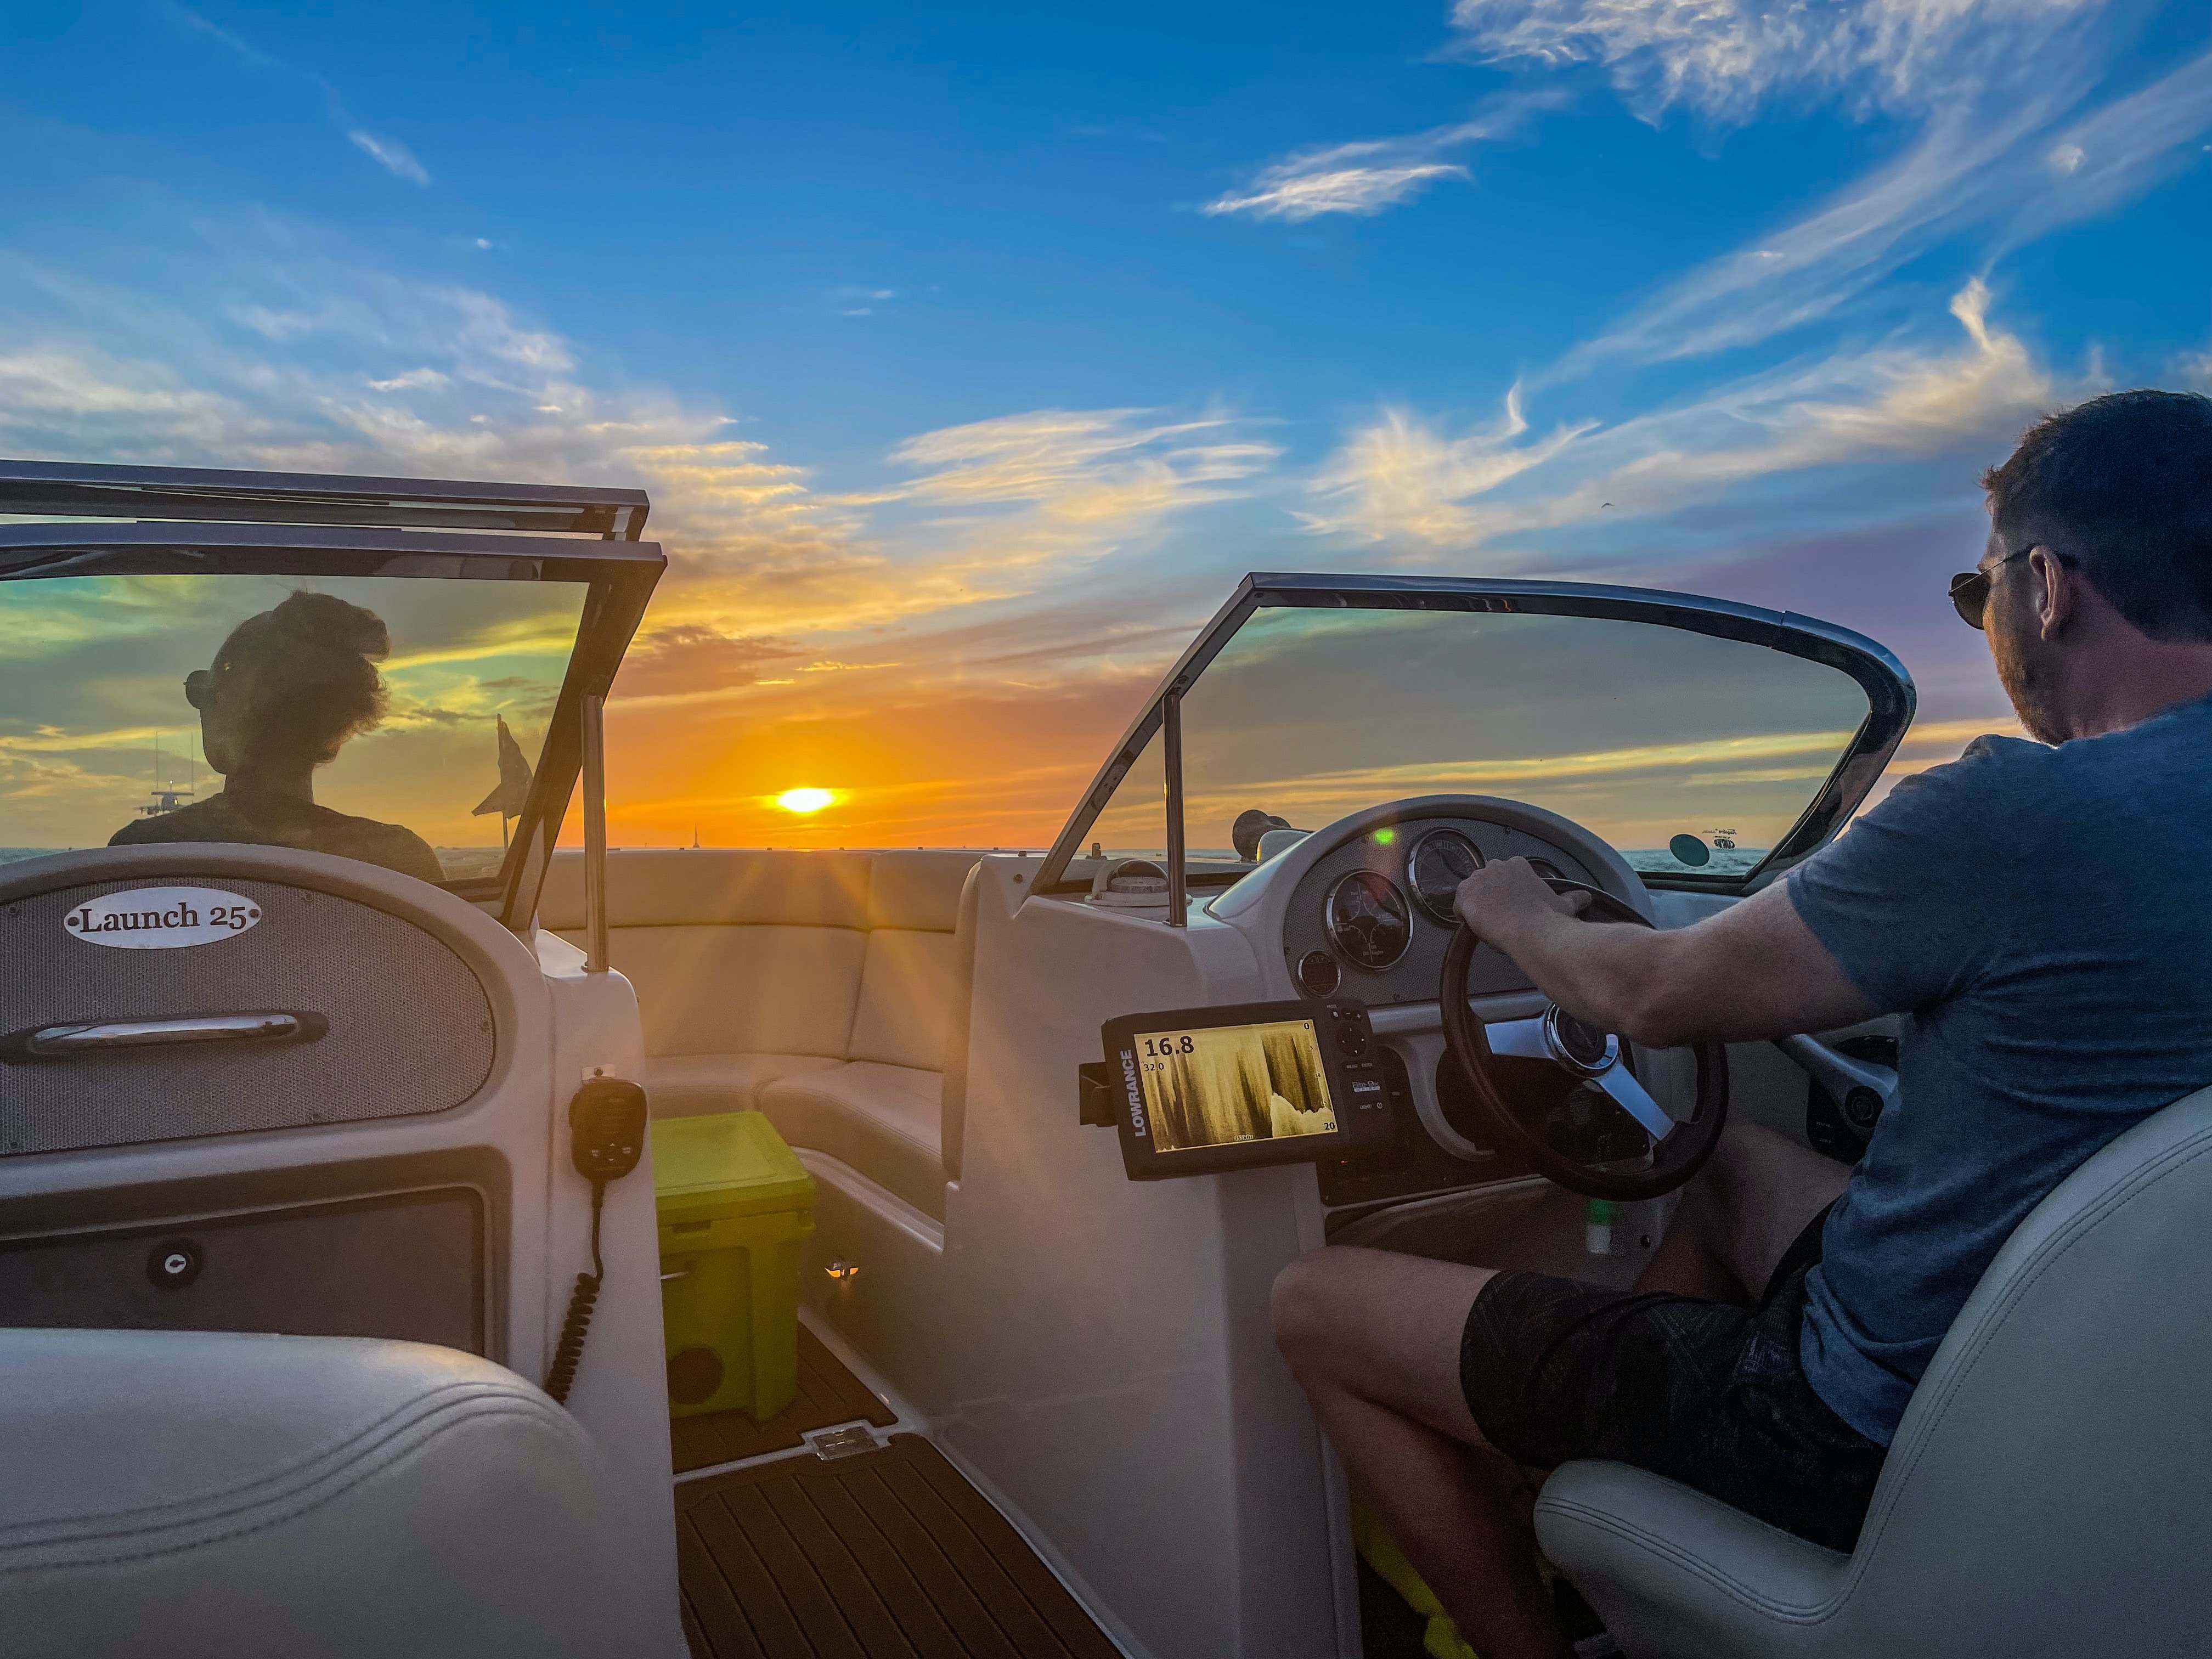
{"points": [[110, 1036]]}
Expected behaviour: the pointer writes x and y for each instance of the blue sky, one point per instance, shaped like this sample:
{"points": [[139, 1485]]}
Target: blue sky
{"points": [[948, 341]]}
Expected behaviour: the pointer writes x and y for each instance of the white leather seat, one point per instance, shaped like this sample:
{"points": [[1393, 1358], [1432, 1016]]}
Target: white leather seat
{"points": [[211, 1496], [881, 1120], [681, 1085], [821, 989], [2047, 1492]]}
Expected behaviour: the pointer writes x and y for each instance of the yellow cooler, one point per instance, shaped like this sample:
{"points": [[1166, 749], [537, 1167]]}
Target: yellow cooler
{"points": [[736, 1209]]}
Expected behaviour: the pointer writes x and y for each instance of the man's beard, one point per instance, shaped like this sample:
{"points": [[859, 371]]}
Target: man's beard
{"points": [[2028, 681]]}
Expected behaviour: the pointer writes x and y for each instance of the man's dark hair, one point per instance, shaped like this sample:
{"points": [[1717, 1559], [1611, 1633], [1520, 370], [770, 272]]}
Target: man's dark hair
{"points": [[309, 681], [2124, 483]]}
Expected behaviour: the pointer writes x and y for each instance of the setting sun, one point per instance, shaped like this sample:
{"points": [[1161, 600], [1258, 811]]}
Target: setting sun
{"points": [[805, 800]]}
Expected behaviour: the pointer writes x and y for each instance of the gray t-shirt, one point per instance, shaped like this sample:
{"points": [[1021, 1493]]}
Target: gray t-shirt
{"points": [[2045, 916]]}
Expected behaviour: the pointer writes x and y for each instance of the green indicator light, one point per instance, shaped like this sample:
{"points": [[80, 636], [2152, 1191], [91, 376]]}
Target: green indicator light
{"points": [[1384, 837]]}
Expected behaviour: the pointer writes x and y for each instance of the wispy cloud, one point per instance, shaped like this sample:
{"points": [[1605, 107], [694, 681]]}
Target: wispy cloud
{"points": [[388, 153], [409, 380], [1994, 89], [1344, 179], [394, 157], [1724, 58], [857, 300], [1367, 176], [1083, 463], [1064, 488], [1399, 481], [1805, 271], [2116, 152]]}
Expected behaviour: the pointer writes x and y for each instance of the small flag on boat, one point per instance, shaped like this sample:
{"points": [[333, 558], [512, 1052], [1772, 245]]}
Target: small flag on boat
{"points": [[513, 779]]}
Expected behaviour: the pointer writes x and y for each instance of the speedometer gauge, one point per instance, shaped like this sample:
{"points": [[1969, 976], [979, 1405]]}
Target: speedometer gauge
{"points": [[1442, 859], [1368, 921]]}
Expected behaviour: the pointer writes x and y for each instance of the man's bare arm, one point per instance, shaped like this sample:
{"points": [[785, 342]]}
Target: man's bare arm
{"points": [[1754, 970]]}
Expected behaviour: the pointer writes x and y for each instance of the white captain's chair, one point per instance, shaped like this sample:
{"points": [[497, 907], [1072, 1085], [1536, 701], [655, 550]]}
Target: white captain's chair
{"points": [[2049, 1491]]}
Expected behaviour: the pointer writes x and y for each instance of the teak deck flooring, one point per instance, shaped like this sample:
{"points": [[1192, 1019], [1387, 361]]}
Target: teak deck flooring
{"points": [[888, 1554], [828, 1393]]}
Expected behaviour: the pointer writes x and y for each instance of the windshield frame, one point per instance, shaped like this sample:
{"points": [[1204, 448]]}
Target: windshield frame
{"points": [[617, 571], [1890, 694]]}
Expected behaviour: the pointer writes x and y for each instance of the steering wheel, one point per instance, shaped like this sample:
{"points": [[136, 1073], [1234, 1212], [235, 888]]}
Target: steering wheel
{"points": [[1586, 1054]]}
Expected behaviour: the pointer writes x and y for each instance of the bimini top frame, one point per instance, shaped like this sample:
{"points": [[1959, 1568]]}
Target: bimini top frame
{"points": [[1891, 698], [195, 521]]}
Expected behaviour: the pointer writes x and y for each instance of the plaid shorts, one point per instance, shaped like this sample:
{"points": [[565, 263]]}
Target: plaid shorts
{"points": [[1704, 1393]]}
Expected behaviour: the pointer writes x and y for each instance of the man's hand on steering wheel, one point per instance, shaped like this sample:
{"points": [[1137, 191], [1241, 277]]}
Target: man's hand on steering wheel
{"points": [[1498, 898], [1509, 906]]}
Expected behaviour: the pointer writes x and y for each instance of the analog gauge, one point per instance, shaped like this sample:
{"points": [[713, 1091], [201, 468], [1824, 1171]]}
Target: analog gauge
{"points": [[1317, 973], [1442, 859], [1368, 921]]}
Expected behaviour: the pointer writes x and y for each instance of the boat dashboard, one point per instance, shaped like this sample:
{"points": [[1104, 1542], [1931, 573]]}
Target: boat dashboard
{"points": [[1361, 914], [1372, 915]]}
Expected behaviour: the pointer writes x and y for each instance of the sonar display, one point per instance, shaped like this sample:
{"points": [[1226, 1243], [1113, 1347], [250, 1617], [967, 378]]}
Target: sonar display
{"points": [[1223, 1085]]}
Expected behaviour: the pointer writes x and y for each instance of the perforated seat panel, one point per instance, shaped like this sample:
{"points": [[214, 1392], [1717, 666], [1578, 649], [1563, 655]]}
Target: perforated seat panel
{"points": [[411, 1030]]}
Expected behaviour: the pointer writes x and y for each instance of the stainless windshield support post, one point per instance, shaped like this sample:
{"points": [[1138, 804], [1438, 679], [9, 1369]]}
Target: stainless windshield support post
{"points": [[1171, 753], [595, 830]]}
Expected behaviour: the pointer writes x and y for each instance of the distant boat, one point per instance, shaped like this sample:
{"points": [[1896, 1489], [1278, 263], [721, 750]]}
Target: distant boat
{"points": [[164, 802], [1723, 839], [165, 799]]}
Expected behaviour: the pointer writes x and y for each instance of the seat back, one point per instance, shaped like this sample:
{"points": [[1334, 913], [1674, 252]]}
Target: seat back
{"points": [[731, 951], [953, 1101], [215, 1496], [909, 975], [2047, 1489]]}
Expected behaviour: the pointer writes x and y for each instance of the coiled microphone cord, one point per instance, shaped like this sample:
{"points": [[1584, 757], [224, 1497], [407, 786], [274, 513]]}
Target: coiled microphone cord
{"points": [[568, 1350]]}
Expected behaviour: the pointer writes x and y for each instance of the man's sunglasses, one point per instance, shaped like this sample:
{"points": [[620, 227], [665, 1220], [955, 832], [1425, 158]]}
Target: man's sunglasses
{"points": [[1969, 589]]}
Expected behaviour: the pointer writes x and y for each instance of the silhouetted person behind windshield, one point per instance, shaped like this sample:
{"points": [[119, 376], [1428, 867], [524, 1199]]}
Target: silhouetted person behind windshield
{"points": [[286, 691]]}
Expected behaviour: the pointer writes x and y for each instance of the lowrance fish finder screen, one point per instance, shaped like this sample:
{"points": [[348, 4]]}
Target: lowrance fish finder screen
{"points": [[1205, 1090], [1226, 1084]]}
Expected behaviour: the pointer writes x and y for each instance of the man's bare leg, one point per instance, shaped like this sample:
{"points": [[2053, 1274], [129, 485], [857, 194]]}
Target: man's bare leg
{"points": [[1374, 1338], [1744, 1209]]}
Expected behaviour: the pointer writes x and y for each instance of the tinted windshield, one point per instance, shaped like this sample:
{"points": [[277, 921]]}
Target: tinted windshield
{"points": [[1685, 751], [393, 720]]}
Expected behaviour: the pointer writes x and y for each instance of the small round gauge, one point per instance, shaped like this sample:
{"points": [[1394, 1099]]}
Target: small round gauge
{"points": [[1368, 921], [1317, 973], [1442, 859]]}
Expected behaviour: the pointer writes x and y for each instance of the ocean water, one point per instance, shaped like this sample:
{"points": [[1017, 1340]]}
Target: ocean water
{"points": [[1658, 861]]}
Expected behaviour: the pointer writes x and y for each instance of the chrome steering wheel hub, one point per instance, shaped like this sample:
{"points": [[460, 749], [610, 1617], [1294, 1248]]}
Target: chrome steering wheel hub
{"points": [[1579, 1046], [1593, 1056]]}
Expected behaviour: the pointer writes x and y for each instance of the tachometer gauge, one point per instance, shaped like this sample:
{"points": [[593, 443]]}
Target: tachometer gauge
{"points": [[1442, 859], [1368, 921]]}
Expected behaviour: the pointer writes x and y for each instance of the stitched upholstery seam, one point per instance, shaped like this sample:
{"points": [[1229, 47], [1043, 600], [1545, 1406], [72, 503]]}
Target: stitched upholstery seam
{"points": [[302, 1475], [1744, 1594], [362, 1469]]}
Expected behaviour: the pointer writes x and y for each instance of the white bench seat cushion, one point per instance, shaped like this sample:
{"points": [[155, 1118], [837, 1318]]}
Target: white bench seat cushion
{"points": [[881, 1120], [683, 1085]]}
